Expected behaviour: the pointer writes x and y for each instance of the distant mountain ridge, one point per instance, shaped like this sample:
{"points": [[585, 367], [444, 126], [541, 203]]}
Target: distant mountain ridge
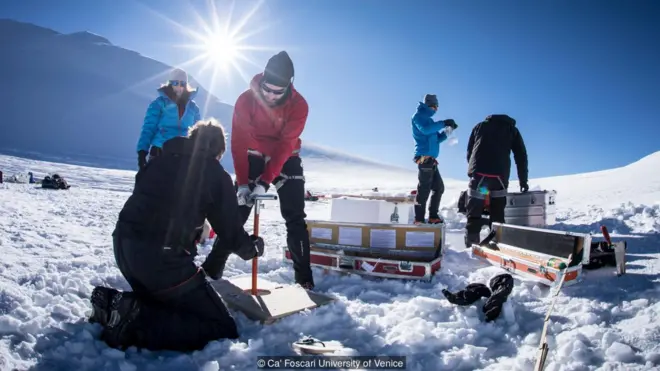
{"points": [[79, 98]]}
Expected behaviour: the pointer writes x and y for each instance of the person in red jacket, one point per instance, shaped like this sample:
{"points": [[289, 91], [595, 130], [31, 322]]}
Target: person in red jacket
{"points": [[268, 120]]}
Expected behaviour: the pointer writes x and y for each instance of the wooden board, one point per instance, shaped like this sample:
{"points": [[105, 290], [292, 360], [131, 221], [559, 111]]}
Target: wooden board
{"points": [[273, 302]]}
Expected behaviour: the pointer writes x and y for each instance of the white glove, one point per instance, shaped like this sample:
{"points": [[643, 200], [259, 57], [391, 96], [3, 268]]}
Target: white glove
{"points": [[243, 194], [448, 130], [258, 191]]}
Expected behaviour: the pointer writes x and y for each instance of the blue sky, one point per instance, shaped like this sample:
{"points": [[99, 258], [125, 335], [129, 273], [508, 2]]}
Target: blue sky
{"points": [[580, 77]]}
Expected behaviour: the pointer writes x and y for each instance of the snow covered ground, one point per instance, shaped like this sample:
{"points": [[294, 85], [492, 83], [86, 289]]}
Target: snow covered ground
{"points": [[56, 247]]}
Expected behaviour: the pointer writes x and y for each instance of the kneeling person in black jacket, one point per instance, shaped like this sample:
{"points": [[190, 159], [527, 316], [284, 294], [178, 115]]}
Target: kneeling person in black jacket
{"points": [[489, 166], [172, 305]]}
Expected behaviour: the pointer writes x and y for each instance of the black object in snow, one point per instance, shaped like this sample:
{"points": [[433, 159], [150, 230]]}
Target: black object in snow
{"points": [[498, 293]]}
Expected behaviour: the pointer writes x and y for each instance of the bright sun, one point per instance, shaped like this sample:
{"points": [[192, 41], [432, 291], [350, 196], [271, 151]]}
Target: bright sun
{"points": [[218, 45], [222, 49]]}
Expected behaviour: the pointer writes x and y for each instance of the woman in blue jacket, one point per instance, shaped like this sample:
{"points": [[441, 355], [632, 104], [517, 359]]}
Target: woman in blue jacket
{"points": [[168, 116]]}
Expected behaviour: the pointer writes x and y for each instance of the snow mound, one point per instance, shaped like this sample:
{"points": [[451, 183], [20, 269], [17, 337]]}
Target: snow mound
{"points": [[636, 183]]}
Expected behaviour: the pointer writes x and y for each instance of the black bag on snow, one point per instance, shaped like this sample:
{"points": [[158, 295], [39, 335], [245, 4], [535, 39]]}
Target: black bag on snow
{"points": [[54, 182]]}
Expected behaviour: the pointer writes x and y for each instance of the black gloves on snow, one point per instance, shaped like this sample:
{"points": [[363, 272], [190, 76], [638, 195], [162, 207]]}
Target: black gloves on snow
{"points": [[142, 159], [524, 187], [469, 295], [451, 123], [500, 289]]}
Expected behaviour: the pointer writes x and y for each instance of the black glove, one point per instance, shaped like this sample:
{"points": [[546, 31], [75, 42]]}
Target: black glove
{"points": [[524, 187], [469, 295], [142, 159], [452, 123], [501, 287], [254, 249]]}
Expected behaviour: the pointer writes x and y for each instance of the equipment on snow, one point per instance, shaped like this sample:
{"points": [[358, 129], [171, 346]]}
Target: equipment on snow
{"points": [[543, 254], [619, 251], [257, 208], [263, 300], [543, 346], [310, 197], [361, 238], [497, 292], [469, 295], [19, 178], [54, 182], [532, 208], [372, 209], [408, 198], [311, 345]]}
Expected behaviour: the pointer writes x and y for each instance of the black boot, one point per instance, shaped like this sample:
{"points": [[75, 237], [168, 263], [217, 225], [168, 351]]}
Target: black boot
{"points": [[101, 300], [121, 332], [307, 283]]}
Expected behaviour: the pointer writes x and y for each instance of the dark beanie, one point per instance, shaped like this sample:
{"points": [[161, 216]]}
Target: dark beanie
{"points": [[279, 70], [431, 100]]}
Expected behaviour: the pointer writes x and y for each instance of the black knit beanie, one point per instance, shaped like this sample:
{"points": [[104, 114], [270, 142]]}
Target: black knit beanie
{"points": [[279, 70], [431, 100]]}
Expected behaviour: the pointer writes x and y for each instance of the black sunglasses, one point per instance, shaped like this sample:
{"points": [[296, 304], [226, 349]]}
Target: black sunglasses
{"points": [[272, 91]]}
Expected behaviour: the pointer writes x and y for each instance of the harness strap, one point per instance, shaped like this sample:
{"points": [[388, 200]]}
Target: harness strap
{"points": [[488, 175], [285, 177], [424, 159], [492, 194], [254, 152]]}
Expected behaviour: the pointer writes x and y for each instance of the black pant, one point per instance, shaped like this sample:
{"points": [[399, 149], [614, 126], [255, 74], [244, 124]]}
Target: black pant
{"points": [[429, 182], [475, 205], [173, 316], [291, 194]]}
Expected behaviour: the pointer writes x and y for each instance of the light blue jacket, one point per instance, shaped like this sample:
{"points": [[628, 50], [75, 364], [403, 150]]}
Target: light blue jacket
{"points": [[162, 121], [425, 132]]}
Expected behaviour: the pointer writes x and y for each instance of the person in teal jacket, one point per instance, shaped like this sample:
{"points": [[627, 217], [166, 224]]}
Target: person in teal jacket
{"points": [[168, 116], [428, 134]]}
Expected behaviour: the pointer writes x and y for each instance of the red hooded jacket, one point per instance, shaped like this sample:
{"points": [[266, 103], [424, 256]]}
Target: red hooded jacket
{"points": [[273, 131]]}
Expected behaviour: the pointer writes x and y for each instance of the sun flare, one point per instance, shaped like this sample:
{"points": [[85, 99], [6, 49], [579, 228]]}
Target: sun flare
{"points": [[222, 49], [218, 42]]}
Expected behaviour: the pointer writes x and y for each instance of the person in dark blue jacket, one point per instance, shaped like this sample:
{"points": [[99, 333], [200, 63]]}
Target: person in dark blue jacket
{"points": [[168, 116], [428, 134]]}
